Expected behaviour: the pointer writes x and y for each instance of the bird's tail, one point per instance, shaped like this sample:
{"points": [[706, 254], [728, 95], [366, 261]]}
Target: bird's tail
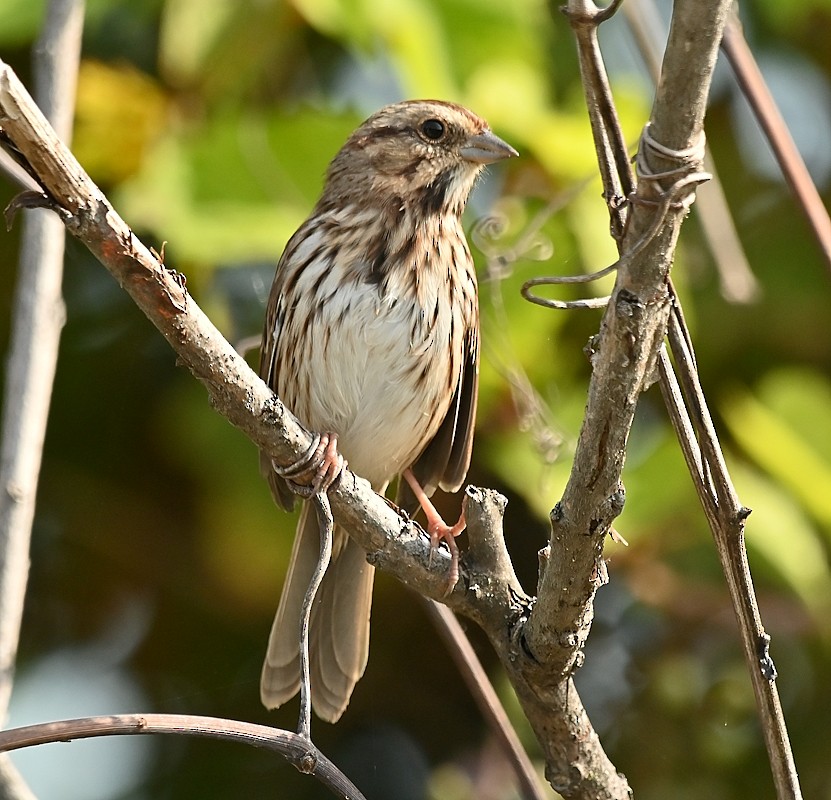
{"points": [[339, 630]]}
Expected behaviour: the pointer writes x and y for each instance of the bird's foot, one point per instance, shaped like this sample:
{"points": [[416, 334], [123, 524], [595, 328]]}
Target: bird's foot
{"points": [[317, 470], [438, 530]]}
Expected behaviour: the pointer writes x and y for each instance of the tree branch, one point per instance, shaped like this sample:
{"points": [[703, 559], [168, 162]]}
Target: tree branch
{"points": [[625, 351], [694, 429], [36, 327], [752, 82], [489, 591], [296, 749]]}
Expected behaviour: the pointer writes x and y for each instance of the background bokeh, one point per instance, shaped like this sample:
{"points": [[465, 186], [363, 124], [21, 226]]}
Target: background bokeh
{"points": [[158, 554]]}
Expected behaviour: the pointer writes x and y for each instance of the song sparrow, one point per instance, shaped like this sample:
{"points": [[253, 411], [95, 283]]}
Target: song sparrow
{"points": [[372, 336]]}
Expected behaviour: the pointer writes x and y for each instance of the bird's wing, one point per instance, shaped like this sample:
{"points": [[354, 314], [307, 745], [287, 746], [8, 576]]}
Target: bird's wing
{"points": [[445, 460], [269, 370]]}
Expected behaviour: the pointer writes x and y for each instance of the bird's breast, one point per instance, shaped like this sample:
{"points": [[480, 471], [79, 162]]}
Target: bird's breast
{"points": [[383, 358]]}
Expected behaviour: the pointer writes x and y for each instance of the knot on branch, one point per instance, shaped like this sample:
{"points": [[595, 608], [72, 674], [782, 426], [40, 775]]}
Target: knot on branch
{"points": [[307, 763], [607, 511], [628, 305], [564, 779]]}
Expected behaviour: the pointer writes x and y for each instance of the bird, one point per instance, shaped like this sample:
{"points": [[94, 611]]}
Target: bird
{"points": [[371, 338]]}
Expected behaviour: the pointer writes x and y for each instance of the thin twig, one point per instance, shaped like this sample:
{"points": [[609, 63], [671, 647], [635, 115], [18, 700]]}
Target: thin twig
{"points": [[770, 119], [479, 685], [727, 516], [293, 747], [325, 523], [615, 169], [671, 391], [38, 319], [556, 280], [671, 195]]}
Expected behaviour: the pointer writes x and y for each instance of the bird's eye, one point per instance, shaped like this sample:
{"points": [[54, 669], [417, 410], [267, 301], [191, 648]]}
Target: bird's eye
{"points": [[433, 129]]}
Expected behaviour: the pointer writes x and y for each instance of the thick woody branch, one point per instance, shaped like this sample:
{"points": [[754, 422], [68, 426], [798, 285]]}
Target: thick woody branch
{"points": [[624, 356], [686, 404], [686, 73], [738, 283], [488, 592], [624, 352], [235, 391]]}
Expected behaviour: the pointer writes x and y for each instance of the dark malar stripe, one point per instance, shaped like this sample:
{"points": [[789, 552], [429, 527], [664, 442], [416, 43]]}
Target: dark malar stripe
{"points": [[435, 193]]}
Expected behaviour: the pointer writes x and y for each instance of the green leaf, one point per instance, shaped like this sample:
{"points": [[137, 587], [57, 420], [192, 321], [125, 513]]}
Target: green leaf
{"points": [[19, 21], [236, 189], [777, 432], [779, 531]]}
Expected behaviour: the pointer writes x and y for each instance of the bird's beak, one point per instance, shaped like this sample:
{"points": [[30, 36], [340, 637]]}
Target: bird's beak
{"points": [[485, 148]]}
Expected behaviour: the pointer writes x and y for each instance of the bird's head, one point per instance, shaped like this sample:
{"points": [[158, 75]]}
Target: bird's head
{"points": [[426, 153]]}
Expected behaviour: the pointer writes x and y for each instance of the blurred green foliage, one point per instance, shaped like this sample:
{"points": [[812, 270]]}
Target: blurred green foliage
{"points": [[210, 123]]}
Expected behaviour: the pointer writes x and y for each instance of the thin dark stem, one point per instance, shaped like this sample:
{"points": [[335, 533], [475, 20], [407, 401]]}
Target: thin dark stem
{"points": [[295, 748], [727, 516], [770, 119], [325, 523], [479, 685], [613, 161], [680, 419]]}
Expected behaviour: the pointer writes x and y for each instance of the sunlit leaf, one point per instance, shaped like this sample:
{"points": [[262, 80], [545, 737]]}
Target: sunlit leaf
{"points": [[779, 532], [239, 189], [780, 448], [205, 21], [120, 113], [802, 396]]}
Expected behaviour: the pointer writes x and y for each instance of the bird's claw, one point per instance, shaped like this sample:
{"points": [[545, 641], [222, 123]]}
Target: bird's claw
{"points": [[33, 199], [440, 532], [438, 529], [317, 470]]}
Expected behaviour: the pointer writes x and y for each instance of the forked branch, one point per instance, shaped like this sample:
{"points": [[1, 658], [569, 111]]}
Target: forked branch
{"points": [[668, 161]]}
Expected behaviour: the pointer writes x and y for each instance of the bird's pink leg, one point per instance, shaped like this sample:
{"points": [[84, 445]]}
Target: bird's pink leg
{"points": [[317, 469], [438, 529]]}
